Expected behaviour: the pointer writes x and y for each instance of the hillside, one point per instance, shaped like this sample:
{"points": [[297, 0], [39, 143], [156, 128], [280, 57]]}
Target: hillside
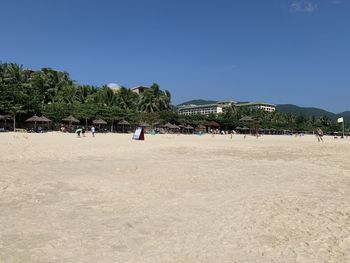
{"points": [[306, 111], [310, 111], [198, 102]]}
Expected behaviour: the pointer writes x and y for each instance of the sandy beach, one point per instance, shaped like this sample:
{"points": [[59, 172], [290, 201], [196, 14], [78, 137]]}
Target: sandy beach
{"points": [[173, 199]]}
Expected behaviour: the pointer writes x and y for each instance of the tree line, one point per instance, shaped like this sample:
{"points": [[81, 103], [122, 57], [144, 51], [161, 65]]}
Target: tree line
{"points": [[24, 92]]}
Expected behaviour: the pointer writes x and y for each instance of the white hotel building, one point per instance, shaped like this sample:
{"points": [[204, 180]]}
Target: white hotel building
{"points": [[218, 108]]}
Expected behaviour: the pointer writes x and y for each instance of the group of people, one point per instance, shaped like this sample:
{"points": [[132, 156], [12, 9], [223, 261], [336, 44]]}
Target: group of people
{"points": [[83, 130]]}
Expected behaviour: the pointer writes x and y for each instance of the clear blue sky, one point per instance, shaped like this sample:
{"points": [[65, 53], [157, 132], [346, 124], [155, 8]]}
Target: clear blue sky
{"points": [[279, 51]]}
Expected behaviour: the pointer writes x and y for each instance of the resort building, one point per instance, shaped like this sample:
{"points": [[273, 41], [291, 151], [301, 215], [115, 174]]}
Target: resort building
{"points": [[258, 106], [139, 89], [217, 108]]}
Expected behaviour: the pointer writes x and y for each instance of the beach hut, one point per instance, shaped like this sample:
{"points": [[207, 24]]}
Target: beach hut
{"points": [[70, 119], [5, 118], [167, 125], [45, 120], [245, 129], [123, 123], [212, 125], [99, 122], [34, 119], [189, 128]]}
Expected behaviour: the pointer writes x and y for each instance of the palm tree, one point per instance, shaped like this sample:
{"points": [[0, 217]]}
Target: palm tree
{"points": [[83, 93], [127, 99], [154, 99]]}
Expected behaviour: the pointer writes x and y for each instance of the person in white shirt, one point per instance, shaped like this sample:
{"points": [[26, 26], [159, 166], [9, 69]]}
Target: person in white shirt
{"points": [[93, 131]]}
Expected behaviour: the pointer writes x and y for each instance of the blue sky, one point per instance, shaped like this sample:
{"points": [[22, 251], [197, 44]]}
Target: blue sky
{"points": [[279, 51]]}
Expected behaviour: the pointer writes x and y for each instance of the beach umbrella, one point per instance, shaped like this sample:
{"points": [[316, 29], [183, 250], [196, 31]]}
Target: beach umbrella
{"points": [[123, 123], [213, 124], [238, 128], [245, 129], [71, 119], [34, 119], [144, 124], [167, 125], [99, 122], [189, 128], [5, 118], [44, 119]]}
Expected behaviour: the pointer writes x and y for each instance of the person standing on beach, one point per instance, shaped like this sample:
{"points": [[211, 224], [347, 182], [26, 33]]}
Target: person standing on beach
{"points": [[93, 131], [319, 135]]}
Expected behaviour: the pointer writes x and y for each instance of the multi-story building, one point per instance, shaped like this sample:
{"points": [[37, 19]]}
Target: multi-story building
{"points": [[257, 105], [206, 109], [217, 108]]}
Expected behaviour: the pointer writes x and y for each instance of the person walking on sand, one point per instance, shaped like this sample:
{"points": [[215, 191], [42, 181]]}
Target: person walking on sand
{"points": [[93, 131], [319, 135]]}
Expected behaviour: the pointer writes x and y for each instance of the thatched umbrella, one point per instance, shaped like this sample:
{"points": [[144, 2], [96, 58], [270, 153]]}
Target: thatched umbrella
{"points": [[44, 119], [245, 129], [189, 128], [123, 123], [71, 119], [213, 124], [144, 124], [5, 118], [175, 127], [99, 122], [34, 119], [167, 125]]}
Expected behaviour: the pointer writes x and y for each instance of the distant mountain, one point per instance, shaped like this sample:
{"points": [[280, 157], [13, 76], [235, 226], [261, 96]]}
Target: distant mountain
{"points": [[310, 111], [198, 102], [306, 111]]}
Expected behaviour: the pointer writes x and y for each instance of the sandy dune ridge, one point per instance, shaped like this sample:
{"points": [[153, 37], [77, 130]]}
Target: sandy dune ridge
{"points": [[173, 199]]}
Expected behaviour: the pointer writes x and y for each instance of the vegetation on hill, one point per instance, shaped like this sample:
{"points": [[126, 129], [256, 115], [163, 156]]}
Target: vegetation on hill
{"points": [[310, 111], [54, 94], [198, 102]]}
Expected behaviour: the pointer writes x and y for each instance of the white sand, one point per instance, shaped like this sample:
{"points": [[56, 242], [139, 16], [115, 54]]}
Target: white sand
{"points": [[173, 199]]}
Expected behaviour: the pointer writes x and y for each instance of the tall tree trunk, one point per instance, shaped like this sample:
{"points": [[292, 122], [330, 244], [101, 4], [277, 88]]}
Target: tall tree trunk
{"points": [[14, 122]]}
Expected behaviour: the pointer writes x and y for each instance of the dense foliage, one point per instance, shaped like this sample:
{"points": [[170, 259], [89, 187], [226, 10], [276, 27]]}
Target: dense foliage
{"points": [[54, 94]]}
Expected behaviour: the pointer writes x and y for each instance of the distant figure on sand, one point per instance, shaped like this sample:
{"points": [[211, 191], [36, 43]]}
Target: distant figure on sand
{"points": [[78, 131], [319, 135], [93, 131], [83, 131]]}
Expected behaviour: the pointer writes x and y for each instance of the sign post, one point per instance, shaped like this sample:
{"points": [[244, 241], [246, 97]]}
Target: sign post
{"points": [[341, 120], [139, 134]]}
